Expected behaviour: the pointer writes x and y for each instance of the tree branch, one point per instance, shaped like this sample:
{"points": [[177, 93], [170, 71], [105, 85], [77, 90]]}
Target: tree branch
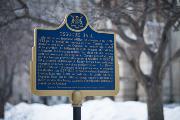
{"points": [[42, 21], [176, 55], [27, 16], [11, 21], [126, 38], [165, 66], [133, 25], [144, 16], [133, 63], [158, 60], [122, 35], [24, 5]]}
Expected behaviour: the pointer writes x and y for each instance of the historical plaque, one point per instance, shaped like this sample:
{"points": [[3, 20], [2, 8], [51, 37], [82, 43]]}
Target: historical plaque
{"points": [[74, 57]]}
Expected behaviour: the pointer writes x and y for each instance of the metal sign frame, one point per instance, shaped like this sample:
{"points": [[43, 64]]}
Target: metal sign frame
{"points": [[69, 93]]}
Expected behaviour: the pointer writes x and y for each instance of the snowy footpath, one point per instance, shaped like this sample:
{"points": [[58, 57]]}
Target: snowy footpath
{"points": [[104, 109]]}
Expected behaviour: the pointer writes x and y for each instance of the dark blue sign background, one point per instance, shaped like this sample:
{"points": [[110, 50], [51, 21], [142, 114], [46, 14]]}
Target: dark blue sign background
{"points": [[74, 57]]}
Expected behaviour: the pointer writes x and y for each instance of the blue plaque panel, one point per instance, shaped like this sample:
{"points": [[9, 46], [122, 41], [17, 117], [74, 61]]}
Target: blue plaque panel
{"points": [[74, 57]]}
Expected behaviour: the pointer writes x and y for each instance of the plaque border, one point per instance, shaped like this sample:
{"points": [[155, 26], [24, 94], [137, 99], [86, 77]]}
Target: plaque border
{"points": [[84, 93]]}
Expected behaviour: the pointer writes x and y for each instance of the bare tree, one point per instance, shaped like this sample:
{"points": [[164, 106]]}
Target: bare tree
{"points": [[134, 15], [12, 54], [17, 18]]}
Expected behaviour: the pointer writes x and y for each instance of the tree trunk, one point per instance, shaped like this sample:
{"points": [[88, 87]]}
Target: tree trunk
{"points": [[154, 102], [2, 110]]}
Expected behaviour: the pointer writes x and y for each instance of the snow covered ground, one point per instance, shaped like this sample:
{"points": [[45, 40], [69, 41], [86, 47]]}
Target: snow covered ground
{"points": [[92, 110]]}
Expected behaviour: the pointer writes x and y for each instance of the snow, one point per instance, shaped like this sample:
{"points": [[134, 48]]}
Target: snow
{"points": [[104, 109]]}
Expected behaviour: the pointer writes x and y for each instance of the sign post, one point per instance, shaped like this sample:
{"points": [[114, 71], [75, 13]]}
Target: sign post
{"points": [[76, 103], [74, 60]]}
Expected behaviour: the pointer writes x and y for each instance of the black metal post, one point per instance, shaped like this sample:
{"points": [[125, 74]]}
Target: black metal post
{"points": [[76, 113]]}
